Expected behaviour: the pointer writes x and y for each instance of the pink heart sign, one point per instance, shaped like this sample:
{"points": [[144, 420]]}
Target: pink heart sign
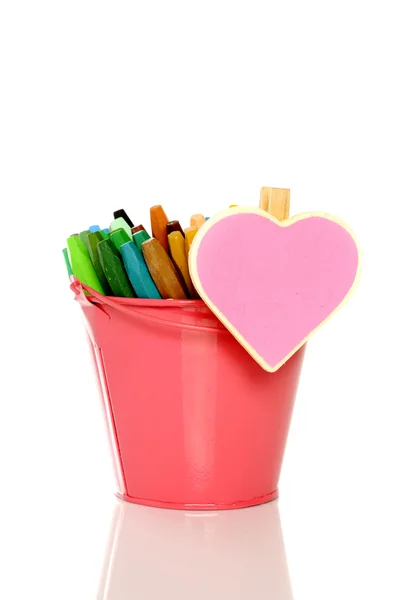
{"points": [[273, 283]]}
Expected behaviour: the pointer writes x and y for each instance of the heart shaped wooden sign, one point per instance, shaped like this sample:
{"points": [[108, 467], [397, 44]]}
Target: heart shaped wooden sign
{"points": [[273, 283]]}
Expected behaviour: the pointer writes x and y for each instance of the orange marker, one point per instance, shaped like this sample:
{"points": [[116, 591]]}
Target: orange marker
{"points": [[162, 270], [190, 233], [177, 253], [197, 221], [159, 222]]}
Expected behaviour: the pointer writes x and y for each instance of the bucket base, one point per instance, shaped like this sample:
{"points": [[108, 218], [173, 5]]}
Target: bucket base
{"points": [[180, 506]]}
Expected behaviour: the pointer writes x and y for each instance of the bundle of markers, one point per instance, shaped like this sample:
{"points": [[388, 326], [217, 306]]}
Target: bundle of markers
{"points": [[125, 261]]}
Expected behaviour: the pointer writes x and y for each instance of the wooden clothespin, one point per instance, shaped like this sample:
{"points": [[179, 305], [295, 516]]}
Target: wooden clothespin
{"points": [[275, 201]]}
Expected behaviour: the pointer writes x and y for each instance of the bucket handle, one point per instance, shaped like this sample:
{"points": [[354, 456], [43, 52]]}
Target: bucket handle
{"points": [[76, 286]]}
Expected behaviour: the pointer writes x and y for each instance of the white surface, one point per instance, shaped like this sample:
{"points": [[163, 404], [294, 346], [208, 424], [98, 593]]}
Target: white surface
{"points": [[127, 104]]}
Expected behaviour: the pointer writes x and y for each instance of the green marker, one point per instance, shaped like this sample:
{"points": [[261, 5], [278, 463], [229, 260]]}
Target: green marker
{"points": [[105, 234], [81, 264], [119, 237], [114, 270], [140, 236], [67, 262], [120, 223], [93, 240], [83, 235]]}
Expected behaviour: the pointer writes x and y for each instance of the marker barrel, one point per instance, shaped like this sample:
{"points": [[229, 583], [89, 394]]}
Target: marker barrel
{"points": [[82, 266], [137, 272], [93, 240], [159, 222], [114, 270], [162, 270], [140, 236], [119, 237], [120, 223]]}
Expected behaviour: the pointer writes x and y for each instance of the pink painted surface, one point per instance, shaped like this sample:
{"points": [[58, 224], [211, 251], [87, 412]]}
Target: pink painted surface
{"points": [[196, 422], [276, 284]]}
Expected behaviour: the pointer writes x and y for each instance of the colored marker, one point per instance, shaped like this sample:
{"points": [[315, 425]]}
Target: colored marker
{"points": [[105, 233], [177, 253], [114, 271], [207, 218], [120, 223], [159, 222], [93, 240], [137, 272], [94, 228], [190, 233], [174, 226], [119, 237], [162, 270], [122, 213], [83, 236], [140, 235], [197, 221], [67, 262], [82, 266]]}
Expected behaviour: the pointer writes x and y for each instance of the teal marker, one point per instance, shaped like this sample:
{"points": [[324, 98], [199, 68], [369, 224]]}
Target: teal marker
{"points": [[137, 272], [82, 266], [120, 223], [112, 266], [67, 262]]}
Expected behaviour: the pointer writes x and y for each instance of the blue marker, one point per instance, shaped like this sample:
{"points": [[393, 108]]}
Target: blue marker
{"points": [[137, 272], [94, 228], [207, 218]]}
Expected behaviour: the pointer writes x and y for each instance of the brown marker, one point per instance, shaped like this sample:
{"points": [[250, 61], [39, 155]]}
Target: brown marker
{"points": [[162, 270], [159, 222], [174, 226]]}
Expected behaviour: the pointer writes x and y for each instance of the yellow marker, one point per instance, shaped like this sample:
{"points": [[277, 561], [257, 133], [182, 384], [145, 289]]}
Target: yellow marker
{"points": [[197, 221], [190, 233], [232, 205], [177, 253]]}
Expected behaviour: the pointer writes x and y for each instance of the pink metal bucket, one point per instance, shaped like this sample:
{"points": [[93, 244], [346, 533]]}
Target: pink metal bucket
{"points": [[194, 421]]}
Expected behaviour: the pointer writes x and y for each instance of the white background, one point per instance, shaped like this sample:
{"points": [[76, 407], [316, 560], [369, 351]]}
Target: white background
{"points": [[196, 106]]}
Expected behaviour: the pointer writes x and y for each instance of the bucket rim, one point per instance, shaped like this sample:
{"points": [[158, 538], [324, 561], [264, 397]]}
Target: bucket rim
{"points": [[162, 303], [97, 298], [131, 306]]}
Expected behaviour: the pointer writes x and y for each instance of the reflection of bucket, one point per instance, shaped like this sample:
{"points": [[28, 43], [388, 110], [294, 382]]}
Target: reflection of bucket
{"points": [[173, 554], [194, 421]]}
